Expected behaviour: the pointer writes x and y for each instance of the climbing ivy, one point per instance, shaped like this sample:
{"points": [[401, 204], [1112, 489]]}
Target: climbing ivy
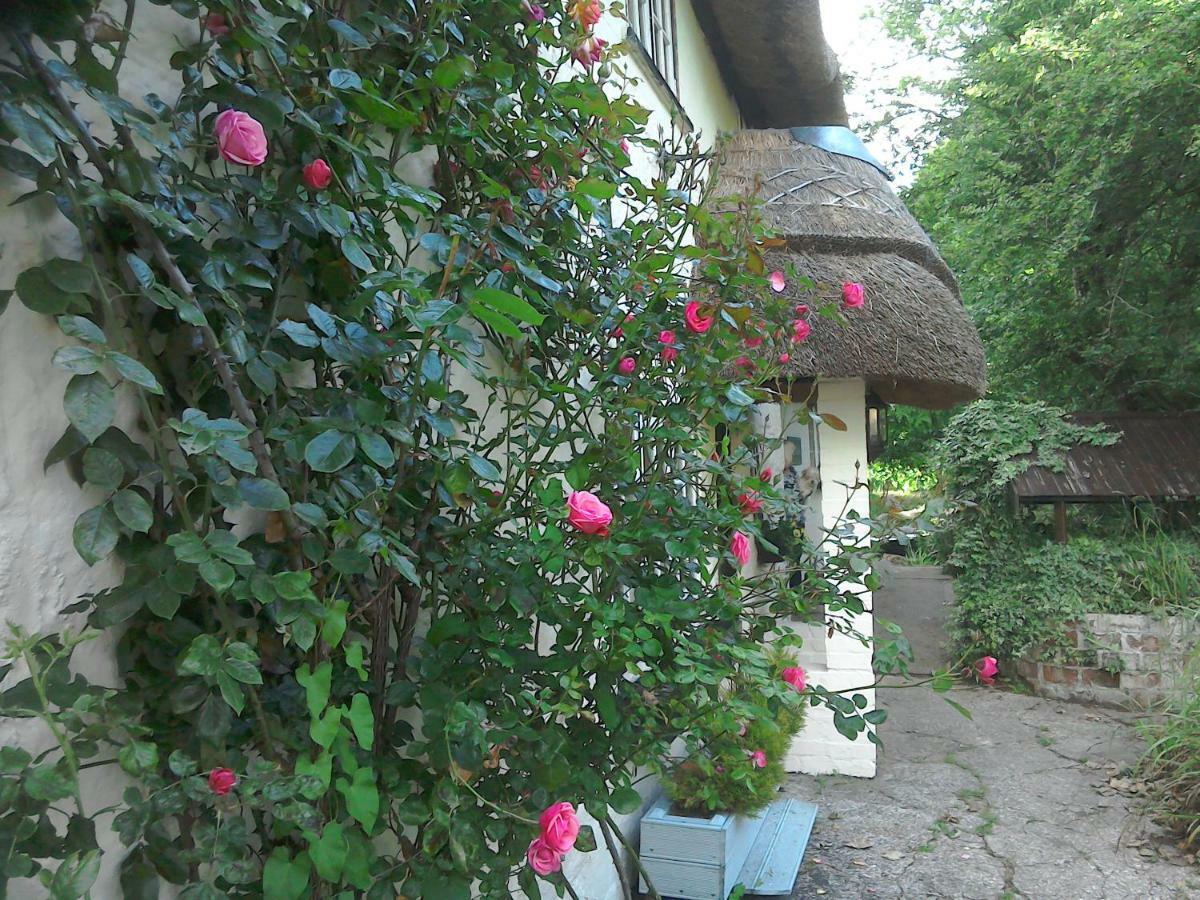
{"points": [[366, 291]]}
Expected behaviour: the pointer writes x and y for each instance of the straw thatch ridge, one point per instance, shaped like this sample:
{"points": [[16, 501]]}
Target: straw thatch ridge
{"points": [[776, 61], [914, 342]]}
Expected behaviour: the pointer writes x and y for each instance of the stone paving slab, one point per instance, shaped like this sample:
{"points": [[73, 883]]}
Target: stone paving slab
{"points": [[1012, 803]]}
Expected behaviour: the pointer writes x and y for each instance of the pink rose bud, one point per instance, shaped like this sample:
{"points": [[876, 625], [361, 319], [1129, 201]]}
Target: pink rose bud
{"points": [[627, 365], [619, 332], [543, 858], [534, 11], [318, 175], [744, 362], [740, 548], [666, 337], [752, 343], [216, 25], [625, 148], [778, 283], [742, 729], [766, 474], [222, 781], [240, 138], [759, 759], [750, 504], [794, 675], [854, 295], [560, 827], [988, 669], [802, 309], [586, 12], [784, 358], [669, 355], [589, 51], [801, 330], [587, 513], [696, 322]]}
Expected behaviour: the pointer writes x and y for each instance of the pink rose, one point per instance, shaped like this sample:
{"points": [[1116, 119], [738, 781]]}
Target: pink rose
{"points": [[744, 362], [222, 781], [759, 759], [794, 675], [587, 513], [854, 296], [988, 669], [750, 504], [560, 827], [802, 309], [778, 283], [543, 858], [695, 321], [241, 138], [669, 355], [740, 548], [801, 330], [627, 365], [586, 12], [589, 51], [766, 474], [216, 25], [318, 175], [666, 337], [534, 11], [784, 358]]}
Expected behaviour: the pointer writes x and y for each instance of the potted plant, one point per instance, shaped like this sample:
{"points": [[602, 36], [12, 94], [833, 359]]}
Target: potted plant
{"points": [[696, 839]]}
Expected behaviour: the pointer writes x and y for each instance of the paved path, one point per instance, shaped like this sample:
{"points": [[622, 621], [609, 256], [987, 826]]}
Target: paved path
{"points": [[1016, 802]]}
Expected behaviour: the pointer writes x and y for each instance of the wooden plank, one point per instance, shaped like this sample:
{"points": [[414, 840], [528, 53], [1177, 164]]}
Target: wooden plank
{"points": [[774, 861], [1060, 522]]}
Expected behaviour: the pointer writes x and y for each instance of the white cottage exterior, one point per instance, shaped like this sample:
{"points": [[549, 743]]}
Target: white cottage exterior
{"points": [[701, 65]]}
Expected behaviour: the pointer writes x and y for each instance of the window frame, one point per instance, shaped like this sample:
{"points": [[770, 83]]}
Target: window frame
{"points": [[654, 30]]}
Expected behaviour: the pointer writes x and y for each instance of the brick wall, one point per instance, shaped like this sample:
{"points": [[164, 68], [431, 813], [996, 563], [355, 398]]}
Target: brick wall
{"points": [[1117, 660]]}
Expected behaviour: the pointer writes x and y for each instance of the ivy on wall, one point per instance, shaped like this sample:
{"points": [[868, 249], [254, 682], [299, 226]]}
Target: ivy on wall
{"points": [[364, 637]]}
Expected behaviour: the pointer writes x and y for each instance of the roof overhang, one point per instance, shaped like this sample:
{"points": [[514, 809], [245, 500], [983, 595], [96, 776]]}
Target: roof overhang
{"points": [[775, 59]]}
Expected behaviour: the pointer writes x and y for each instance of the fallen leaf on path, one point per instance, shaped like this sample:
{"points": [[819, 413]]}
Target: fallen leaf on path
{"points": [[893, 855]]}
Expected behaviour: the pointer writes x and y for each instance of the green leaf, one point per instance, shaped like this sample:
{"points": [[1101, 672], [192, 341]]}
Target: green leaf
{"points": [[299, 333], [231, 692], [95, 534], [82, 329], [329, 451], [141, 270], [317, 685], [133, 510], [39, 294], [484, 468], [625, 801], [594, 187], [585, 841], [362, 720], [204, 657], [139, 880], [329, 852], [28, 129], [137, 757], [962, 710], [509, 304], [75, 876], [262, 493], [362, 797], [310, 513], [132, 370], [497, 321], [68, 275], [217, 573], [738, 397], [91, 405], [285, 878], [334, 624], [377, 449], [47, 782], [344, 80], [80, 360], [352, 249], [102, 469]]}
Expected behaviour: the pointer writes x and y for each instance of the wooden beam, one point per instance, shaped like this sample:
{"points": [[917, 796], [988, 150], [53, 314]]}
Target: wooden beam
{"points": [[1060, 521]]}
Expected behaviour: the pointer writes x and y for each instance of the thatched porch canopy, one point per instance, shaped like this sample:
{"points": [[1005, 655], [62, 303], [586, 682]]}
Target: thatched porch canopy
{"points": [[914, 342]]}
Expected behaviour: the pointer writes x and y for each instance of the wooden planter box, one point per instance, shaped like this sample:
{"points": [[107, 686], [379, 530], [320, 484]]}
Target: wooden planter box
{"points": [[691, 858]]}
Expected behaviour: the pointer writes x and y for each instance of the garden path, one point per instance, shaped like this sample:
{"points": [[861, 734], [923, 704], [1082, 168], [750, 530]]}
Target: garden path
{"points": [[1028, 799]]}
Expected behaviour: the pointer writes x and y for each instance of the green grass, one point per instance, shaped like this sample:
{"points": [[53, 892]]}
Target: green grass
{"points": [[1172, 760]]}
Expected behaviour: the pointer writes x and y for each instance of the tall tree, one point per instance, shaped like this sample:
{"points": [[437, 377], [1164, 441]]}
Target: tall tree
{"points": [[1063, 185]]}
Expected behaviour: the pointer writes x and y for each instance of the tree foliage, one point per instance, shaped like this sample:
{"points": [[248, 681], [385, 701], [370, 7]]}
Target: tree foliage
{"points": [[1064, 188]]}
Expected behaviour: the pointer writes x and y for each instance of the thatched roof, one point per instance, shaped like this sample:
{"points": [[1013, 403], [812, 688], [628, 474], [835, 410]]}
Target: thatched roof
{"points": [[773, 55], [914, 342]]}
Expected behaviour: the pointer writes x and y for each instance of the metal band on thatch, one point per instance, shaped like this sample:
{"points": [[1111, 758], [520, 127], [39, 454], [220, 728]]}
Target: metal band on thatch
{"points": [[914, 342]]}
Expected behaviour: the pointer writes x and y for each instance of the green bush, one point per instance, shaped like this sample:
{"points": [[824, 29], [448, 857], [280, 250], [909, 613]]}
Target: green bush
{"points": [[721, 776], [1172, 760]]}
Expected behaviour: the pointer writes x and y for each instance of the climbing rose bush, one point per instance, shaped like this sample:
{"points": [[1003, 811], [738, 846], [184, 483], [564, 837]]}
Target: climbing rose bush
{"points": [[406, 559]]}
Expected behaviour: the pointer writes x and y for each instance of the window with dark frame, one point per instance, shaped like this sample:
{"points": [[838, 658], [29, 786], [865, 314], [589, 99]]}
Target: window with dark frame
{"points": [[653, 24]]}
